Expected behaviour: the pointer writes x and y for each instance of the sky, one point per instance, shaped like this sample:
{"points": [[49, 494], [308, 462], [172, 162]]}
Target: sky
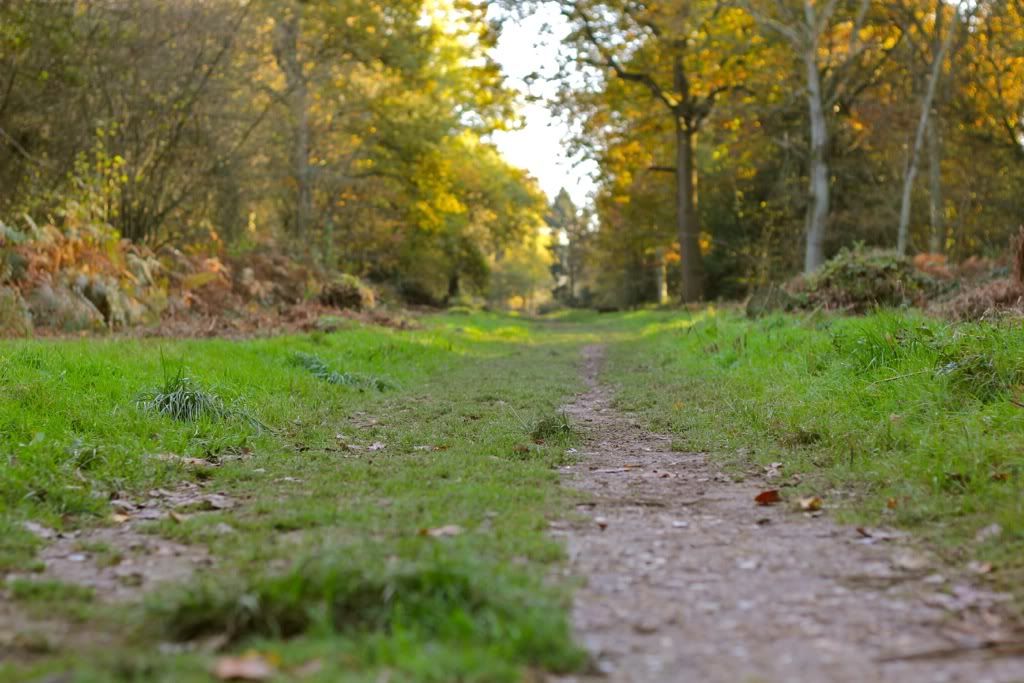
{"points": [[524, 48]]}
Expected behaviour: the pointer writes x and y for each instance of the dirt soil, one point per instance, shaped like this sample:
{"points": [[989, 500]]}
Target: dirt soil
{"points": [[686, 578]]}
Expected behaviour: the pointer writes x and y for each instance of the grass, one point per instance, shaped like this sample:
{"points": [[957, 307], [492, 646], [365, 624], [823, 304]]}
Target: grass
{"points": [[333, 496], [331, 555], [894, 417]]}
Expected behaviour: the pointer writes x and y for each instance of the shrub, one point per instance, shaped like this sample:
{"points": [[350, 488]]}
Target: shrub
{"points": [[860, 279], [348, 291]]}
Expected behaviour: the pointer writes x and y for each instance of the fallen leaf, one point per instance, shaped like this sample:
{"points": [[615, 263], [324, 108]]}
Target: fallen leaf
{"points": [[248, 667], [810, 504], [119, 518], [521, 448], [177, 517], [891, 503], [442, 531], [769, 497]]}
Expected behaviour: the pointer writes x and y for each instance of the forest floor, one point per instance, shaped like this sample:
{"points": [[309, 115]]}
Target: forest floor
{"points": [[495, 499]]}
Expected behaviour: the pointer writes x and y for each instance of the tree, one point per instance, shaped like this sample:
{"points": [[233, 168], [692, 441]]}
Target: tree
{"points": [[683, 56], [835, 73]]}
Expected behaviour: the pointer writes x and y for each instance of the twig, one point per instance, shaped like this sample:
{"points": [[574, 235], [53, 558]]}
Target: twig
{"points": [[893, 379]]}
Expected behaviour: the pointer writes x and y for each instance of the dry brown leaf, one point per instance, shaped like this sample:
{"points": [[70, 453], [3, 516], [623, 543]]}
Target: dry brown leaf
{"points": [[442, 531], [810, 504], [118, 518], [769, 497], [249, 667], [892, 503]]}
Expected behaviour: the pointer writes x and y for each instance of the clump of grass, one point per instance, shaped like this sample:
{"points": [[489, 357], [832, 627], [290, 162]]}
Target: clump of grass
{"points": [[49, 591], [183, 398], [554, 428], [443, 599], [321, 370]]}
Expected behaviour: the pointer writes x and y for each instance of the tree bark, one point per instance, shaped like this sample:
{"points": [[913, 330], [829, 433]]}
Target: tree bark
{"points": [[936, 204], [661, 275], [818, 171], [691, 263], [286, 53], [903, 232]]}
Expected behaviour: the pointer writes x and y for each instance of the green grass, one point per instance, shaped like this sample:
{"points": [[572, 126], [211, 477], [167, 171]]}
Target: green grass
{"points": [[895, 417], [345, 452], [330, 556]]}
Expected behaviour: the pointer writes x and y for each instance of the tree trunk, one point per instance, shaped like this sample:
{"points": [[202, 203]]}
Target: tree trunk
{"points": [[691, 266], [937, 214], [661, 276], [903, 232], [286, 53], [818, 172]]}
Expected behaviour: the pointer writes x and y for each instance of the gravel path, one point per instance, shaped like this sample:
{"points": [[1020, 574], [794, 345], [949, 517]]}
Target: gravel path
{"points": [[686, 578]]}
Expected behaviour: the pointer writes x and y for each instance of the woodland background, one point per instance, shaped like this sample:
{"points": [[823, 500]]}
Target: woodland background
{"points": [[166, 157]]}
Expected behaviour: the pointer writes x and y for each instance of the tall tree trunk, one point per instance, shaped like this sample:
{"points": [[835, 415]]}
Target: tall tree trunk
{"points": [[818, 171], [286, 53], [691, 266], [661, 275], [936, 204], [903, 232]]}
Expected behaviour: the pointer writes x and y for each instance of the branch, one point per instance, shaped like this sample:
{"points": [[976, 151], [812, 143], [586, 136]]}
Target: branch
{"points": [[612, 63]]}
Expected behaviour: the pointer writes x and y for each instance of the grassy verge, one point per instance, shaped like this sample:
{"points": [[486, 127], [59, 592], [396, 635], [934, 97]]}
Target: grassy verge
{"points": [[392, 497], [896, 418]]}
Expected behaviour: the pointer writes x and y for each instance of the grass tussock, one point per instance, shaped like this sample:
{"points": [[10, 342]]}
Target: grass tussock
{"points": [[184, 399], [321, 370], [449, 600], [556, 428]]}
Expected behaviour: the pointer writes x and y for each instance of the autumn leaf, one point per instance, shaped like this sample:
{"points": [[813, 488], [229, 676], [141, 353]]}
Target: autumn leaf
{"points": [[769, 497]]}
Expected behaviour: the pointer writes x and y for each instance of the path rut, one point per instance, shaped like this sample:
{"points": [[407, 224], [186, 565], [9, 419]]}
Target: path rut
{"points": [[687, 579]]}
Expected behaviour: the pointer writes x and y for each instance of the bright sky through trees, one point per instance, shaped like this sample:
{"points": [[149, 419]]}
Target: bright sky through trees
{"points": [[531, 46]]}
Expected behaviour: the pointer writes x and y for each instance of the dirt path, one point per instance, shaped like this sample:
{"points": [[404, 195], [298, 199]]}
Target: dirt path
{"points": [[687, 579]]}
